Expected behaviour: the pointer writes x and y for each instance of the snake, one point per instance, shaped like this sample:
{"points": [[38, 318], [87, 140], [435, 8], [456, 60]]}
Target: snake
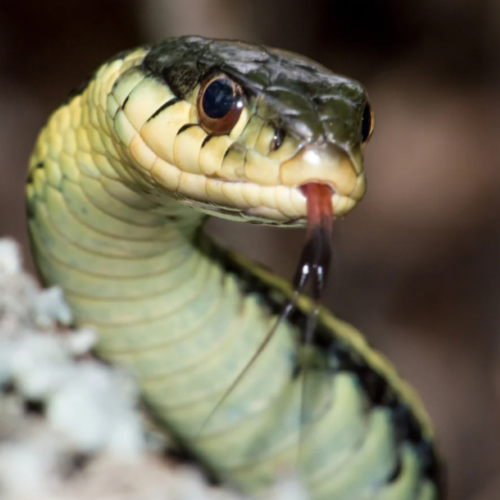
{"points": [[252, 377]]}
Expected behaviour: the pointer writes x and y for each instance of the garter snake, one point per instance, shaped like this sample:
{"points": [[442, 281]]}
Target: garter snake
{"points": [[123, 177]]}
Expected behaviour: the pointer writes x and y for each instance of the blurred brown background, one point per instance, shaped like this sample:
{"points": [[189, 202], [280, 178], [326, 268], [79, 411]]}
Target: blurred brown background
{"points": [[417, 265]]}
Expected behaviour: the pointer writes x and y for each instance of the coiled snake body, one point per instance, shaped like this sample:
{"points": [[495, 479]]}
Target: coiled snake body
{"points": [[120, 183]]}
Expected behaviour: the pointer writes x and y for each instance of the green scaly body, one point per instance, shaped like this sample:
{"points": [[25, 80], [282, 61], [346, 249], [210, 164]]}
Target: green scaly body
{"points": [[186, 316]]}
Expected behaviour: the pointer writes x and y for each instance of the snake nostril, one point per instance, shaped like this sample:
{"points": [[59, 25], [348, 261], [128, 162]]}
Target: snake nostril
{"points": [[322, 163]]}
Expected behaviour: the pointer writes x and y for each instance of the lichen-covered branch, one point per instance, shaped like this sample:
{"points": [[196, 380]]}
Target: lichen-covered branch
{"points": [[70, 426]]}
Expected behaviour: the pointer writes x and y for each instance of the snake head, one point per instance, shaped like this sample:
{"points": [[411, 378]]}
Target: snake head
{"points": [[236, 129]]}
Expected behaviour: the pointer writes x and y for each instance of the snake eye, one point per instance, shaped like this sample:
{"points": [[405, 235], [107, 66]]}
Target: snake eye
{"points": [[220, 103], [367, 124]]}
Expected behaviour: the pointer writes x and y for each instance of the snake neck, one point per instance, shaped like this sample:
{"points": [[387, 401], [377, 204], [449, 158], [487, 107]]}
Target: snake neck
{"points": [[158, 292], [124, 253], [135, 265]]}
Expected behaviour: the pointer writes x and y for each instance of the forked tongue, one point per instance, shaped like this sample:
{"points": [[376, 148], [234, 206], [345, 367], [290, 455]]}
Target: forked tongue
{"points": [[313, 266], [314, 263]]}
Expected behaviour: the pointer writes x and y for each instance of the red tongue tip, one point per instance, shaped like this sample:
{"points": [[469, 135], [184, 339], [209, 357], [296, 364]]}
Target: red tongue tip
{"points": [[319, 203]]}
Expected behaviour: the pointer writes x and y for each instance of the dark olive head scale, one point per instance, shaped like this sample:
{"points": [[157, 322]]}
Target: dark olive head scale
{"points": [[304, 95]]}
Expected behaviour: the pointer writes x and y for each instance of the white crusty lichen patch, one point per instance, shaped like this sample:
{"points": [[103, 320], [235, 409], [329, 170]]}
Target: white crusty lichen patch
{"points": [[70, 426]]}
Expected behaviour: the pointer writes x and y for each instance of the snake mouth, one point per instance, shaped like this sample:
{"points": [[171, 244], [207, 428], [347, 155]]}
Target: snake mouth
{"points": [[285, 203], [305, 187]]}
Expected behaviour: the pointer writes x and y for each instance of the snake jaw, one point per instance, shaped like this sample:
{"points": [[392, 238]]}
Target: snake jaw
{"points": [[319, 163]]}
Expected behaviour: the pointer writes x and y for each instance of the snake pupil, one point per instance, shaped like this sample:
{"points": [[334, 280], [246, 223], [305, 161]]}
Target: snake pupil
{"points": [[220, 104], [218, 99]]}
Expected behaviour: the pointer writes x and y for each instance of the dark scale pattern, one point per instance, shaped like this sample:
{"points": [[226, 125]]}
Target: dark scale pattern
{"points": [[186, 127], [307, 98], [341, 357], [29, 179], [80, 89], [173, 101]]}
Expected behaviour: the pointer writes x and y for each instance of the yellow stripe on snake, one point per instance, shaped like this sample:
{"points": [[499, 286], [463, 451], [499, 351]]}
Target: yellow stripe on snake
{"points": [[120, 183]]}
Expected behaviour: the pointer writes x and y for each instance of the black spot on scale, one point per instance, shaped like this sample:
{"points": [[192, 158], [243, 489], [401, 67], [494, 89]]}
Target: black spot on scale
{"points": [[396, 471], [186, 127], [408, 429], [79, 89], [205, 141], [173, 101], [125, 101], [376, 387], [29, 179], [30, 212]]}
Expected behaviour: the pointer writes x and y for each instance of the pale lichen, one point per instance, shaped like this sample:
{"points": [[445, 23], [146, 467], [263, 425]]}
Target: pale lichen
{"points": [[70, 426]]}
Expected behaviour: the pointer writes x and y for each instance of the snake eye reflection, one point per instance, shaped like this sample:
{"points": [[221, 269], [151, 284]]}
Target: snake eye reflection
{"points": [[220, 103], [366, 124]]}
